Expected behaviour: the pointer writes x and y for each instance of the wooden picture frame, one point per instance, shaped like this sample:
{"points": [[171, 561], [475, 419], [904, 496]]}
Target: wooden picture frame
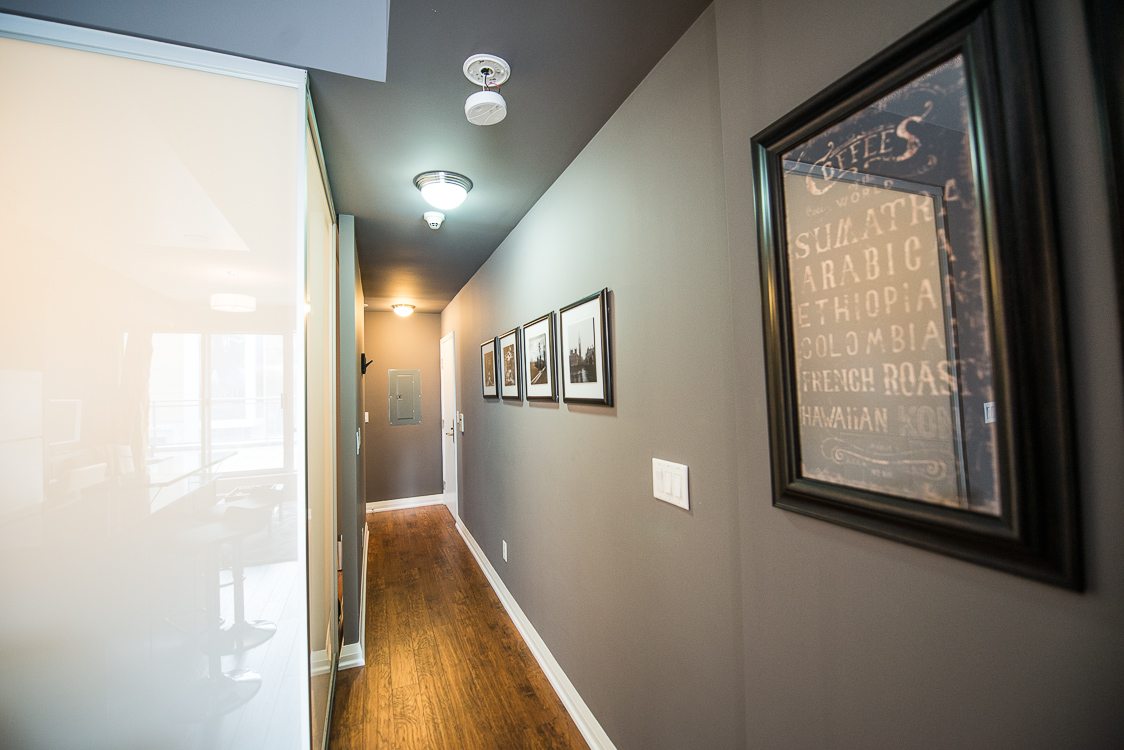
{"points": [[489, 384], [1104, 19], [540, 363], [586, 368], [914, 338], [509, 374]]}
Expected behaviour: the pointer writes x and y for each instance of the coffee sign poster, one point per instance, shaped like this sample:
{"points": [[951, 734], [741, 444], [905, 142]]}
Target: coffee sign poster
{"points": [[887, 299], [914, 333]]}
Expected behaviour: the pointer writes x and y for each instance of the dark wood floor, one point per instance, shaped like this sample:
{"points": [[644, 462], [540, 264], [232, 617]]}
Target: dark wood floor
{"points": [[446, 667]]}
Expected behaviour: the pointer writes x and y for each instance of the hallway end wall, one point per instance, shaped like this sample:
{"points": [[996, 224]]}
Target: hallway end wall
{"points": [[402, 460]]}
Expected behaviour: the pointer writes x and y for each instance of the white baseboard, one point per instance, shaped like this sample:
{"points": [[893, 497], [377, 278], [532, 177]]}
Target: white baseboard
{"points": [[363, 591], [320, 663], [351, 656], [587, 723], [405, 502]]}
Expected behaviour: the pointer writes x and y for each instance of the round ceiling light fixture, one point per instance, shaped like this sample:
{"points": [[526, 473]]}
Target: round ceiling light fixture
{"points": [[402, 310], [486, 107], [443, 190]]}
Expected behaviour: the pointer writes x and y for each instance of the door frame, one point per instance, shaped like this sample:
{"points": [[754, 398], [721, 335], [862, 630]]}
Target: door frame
{"points": [[449, 380]]}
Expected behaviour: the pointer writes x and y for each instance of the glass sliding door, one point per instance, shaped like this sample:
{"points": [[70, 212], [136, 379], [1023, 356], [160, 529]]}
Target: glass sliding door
{"points": [[152, 478], [323, 411]]}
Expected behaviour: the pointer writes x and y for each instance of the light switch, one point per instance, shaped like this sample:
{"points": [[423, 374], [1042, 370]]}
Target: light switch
{"points": [[669, 483], [460, 421]]}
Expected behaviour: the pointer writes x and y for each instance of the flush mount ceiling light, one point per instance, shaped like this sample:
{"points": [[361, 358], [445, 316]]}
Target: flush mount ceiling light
{"points": [[486, 107], [403, 310], [441, 189], [222, 302]]}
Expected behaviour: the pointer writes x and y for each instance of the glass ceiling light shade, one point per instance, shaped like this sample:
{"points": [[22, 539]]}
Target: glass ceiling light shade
{"points": [[221, 302], [443, 190], [402, 310]]}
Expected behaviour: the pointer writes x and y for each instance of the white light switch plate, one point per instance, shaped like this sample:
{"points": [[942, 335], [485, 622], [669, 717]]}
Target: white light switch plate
{"points": [[669, 483]]}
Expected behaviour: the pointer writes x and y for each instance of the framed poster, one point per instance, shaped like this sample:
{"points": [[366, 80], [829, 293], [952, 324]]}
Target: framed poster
{"points": [[509, 365], [488, 386], [540, 372], [586, 357], [914, 337], [1105, 19]]}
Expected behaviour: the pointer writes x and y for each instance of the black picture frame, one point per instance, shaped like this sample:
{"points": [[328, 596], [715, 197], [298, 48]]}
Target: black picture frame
{"points": [[989, 227], [540, 363], [510, 363], [488, 357], [1104, 19], [586, 375]]}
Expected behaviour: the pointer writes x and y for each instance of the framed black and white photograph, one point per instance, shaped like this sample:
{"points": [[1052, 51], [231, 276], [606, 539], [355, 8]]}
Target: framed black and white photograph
{"points": [[488, 383], [510, 365], [539, 370], [913, 326], [586, 359]]}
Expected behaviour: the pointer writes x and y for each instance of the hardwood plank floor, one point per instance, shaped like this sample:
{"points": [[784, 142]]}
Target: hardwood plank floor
{"points": [[446, 667]]}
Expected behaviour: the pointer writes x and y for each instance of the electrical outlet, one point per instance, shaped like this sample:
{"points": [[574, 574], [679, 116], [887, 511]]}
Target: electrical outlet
{"points": [[505, 550]]}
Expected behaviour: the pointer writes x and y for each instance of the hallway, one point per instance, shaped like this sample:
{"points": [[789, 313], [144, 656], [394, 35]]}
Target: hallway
{"points": [[446, 667]]}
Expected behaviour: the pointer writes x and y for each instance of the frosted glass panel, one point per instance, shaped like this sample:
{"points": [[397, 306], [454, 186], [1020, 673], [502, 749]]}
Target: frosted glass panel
{"points": [[152, 584]]}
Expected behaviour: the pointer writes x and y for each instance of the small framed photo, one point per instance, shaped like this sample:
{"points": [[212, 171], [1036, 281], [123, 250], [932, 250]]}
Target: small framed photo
{"points": [[540, 372], [488, 369], [509, 365], [586, 366]]}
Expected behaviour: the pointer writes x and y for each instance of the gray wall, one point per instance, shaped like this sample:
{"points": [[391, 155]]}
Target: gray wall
{"points": [[350, 503], [854, 641], [343, 36], [821, 636], [636, 598], [403, 460]]}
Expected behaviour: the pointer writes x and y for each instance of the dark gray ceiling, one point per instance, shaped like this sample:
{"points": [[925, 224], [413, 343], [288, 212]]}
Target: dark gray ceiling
{"points": [[573, 63], [347, 36]]}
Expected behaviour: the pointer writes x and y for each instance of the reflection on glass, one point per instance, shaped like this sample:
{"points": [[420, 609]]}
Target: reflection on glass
{"points": [[242, 385], [889, 282], [151, 448]]}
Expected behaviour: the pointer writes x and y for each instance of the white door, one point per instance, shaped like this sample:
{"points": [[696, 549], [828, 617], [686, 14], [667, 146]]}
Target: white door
{"points": [[449, 431]]}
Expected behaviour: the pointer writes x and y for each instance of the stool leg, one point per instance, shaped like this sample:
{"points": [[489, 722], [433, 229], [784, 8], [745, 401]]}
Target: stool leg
{"points": [[247, 634]]}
